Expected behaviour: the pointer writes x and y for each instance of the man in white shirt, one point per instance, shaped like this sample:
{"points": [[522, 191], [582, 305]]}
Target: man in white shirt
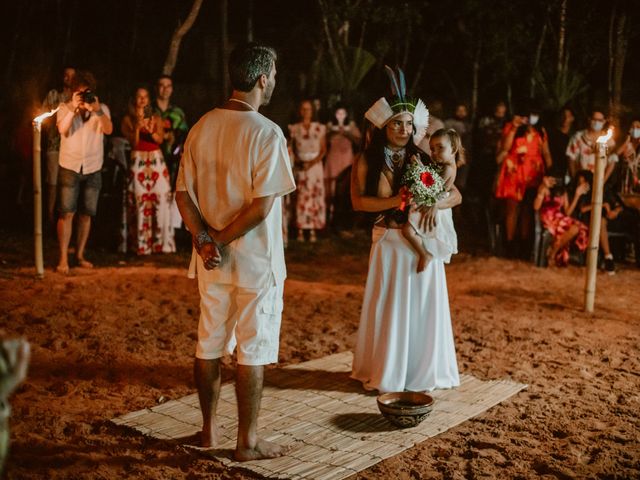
{"points": [[82, 122], [233, 174], [582, 149]]}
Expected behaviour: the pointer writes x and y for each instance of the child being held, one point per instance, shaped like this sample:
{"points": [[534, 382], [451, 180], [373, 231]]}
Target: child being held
{"points": [[441, 241]]}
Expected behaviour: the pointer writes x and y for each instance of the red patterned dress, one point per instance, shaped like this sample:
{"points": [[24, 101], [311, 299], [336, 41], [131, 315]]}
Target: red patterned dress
{"points": [[523, 167], [310, 198], [557, 222], [147, 226]]}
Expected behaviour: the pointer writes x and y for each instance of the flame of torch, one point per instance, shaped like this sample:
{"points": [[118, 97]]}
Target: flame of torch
{"points": [[44, 116], [602, 139]]}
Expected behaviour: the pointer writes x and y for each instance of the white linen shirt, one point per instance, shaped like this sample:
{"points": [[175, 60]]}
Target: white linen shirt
{"points": [[582, 150], [230, 158], [82, 147]]}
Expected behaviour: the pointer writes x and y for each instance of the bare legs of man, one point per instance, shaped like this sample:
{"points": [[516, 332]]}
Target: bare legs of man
{"points": [[207, 375], [84, 226], [64, 227], [249, 381], [65, 224]]}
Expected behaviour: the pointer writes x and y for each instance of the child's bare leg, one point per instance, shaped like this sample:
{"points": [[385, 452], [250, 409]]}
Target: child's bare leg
{"points": [[416, 242]]}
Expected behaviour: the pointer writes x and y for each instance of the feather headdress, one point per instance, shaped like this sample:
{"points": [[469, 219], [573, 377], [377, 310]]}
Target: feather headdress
{"points": [[382, 111]]}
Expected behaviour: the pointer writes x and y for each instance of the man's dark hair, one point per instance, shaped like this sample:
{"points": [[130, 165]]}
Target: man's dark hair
{"points": [[247, 62], [83, 78], [163, 76]]}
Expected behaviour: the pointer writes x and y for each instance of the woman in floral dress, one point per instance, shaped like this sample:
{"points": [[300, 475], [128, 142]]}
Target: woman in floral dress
{"points": [[552, 201], [147, 219], [308, 142]]}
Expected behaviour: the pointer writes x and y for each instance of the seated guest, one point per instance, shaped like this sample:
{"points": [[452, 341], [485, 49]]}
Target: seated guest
{"points": [[612, 209], [555, 210]]}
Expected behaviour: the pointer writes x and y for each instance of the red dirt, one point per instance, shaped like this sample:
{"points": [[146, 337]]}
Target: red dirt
{"points": [[116, 338]]}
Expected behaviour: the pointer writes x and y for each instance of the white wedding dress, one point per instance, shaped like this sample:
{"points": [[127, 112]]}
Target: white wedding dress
{"points": [[405, 339]]}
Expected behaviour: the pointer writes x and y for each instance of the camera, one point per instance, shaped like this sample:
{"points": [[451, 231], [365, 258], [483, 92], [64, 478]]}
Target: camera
{"points": [[88, 96], [148, 111]]}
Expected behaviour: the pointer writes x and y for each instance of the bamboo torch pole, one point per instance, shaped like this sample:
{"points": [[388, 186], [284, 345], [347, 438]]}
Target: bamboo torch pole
{"points": [[37, 197], [595, 221], [37, 190]]}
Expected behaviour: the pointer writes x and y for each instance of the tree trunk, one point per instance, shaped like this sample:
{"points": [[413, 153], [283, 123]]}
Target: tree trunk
{"points": [[176, 39], [612, 24], [620, 52], [224, 48], [249, 20], [536, 65], [562, 34], [476, 78]]}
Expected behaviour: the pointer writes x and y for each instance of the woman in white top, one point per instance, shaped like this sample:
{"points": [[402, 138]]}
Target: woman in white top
{"points": [[405, 340], [309, 145]]}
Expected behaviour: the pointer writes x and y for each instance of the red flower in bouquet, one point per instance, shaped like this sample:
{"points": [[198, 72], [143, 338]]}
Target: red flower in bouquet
{"points": [[427, 179]]}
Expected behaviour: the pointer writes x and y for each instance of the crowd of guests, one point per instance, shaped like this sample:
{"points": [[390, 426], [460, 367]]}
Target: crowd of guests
{"points": [[545, 174], [322, 154], [516, 170], [152, 131]]}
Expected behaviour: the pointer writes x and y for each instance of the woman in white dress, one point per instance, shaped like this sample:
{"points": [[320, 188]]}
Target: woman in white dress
{"points": [[405, 340]]}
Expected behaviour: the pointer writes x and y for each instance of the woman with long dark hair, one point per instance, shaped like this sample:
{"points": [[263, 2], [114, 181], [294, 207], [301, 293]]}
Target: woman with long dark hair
{"points": [[405, 340], [147, 224]]}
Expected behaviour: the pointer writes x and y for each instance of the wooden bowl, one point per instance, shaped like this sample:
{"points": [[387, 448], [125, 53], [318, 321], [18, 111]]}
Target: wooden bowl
{"points": [[405, 409]]}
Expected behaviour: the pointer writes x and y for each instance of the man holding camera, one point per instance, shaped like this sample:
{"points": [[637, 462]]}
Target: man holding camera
{"points": [[82, 122]]}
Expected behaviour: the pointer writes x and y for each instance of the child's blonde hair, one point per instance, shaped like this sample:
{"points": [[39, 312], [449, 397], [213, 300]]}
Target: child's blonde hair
{"points": [[454, 140]]}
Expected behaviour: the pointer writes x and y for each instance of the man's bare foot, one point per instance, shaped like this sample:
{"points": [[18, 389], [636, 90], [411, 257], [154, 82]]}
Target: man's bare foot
{"points": [[210, 438], [422, 262], [262, 450], [83, 263], [63, 268]]}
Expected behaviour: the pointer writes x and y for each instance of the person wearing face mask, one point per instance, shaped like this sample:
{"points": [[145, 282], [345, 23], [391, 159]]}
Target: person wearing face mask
{"points": [[523, 159], [582, 150], [630, 153]]}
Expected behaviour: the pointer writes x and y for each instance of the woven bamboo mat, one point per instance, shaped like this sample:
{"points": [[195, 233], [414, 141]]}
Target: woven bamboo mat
{"points": [[334, 425]]}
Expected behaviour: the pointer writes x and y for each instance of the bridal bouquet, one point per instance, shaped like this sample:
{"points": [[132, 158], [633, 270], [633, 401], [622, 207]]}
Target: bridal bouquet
{"points": [[424, 183]]}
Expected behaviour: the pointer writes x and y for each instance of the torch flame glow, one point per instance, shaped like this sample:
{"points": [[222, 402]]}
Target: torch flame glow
{"points": [[45, 115], [602, 139]]}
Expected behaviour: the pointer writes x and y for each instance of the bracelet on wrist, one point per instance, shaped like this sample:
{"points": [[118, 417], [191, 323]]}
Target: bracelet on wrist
{"points": [[202, 238], [99, 112]]}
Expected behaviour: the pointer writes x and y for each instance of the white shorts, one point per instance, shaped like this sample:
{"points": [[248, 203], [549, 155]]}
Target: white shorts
{"points": [[247, 317]]}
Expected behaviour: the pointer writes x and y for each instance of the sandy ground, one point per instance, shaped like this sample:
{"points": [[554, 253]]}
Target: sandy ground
{"points": [[120, 337]]}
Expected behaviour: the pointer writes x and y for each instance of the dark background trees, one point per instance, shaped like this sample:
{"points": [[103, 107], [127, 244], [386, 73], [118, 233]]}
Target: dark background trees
{"points": [[479, 51], [557, 50]]}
